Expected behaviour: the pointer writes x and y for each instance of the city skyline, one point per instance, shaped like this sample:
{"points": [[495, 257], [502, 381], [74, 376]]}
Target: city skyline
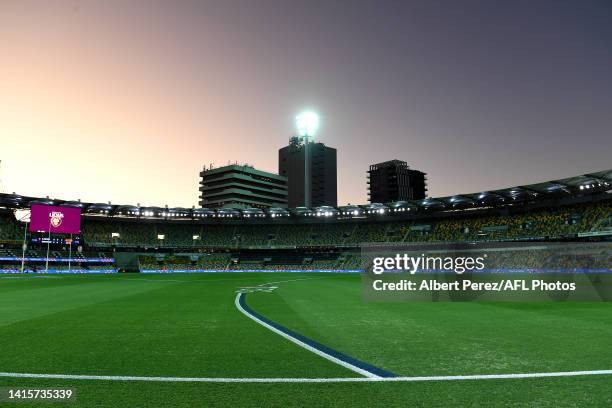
{"points": [[129, 101]]}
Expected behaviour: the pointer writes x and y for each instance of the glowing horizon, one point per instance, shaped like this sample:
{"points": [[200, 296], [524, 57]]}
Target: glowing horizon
{"points": [[133, 113]]}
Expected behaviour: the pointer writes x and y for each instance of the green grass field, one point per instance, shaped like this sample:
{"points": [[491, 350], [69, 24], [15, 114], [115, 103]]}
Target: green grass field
{"points": [[187, 325]]}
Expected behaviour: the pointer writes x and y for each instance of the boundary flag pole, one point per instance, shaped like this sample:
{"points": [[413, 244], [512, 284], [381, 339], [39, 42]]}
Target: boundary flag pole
{"points": [[69, 253], [48, 244], [24, 246]]}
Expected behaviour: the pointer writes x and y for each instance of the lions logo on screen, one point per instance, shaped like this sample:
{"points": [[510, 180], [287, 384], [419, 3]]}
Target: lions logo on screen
{"points": [[55, 218]]}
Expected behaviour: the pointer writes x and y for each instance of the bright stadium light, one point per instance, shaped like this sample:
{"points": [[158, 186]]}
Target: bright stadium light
{"points": [[307, 123]]}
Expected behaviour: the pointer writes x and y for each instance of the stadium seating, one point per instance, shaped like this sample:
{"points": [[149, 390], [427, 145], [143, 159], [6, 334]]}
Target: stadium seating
{"points": [[10, 229], [539, 224], [214, 261], [198, 239]]}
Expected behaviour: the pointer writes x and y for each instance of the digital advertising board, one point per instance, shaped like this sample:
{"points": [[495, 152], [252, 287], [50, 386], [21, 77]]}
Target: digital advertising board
{"points": [[55, 219]]}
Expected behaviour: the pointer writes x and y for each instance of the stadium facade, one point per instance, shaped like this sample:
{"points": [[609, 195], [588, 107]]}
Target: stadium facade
{"points": [[322, 180], [125, 237], [241, 186], [393, 180]]}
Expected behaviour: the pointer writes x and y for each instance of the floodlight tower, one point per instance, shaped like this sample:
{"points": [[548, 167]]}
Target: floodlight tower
{"points": [[307, 124]]}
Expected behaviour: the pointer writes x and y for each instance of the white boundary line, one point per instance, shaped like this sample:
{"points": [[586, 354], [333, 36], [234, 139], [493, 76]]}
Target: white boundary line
{"points": [[306, 380], [301, 343], [369, 377]]}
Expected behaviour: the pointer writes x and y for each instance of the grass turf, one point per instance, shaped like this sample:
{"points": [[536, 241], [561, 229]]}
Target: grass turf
{"points": [[445, 338], [187, 325]]}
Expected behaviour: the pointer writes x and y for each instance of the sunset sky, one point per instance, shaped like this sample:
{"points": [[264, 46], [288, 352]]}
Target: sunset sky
{"points": [[127, 100]]}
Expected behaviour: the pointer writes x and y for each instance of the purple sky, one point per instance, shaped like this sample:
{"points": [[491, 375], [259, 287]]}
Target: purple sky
{"points": [[127, 100]]}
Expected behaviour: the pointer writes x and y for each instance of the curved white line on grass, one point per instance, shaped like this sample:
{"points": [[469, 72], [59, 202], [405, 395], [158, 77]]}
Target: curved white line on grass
{"points": [[368, 378], [301, 343], [306, 380]]}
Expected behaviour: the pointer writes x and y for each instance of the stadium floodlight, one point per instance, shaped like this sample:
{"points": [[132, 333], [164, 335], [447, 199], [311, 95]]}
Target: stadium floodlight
{"points": [[307, 123]]}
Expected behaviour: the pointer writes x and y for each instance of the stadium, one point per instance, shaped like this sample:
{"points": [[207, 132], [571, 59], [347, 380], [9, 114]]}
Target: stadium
{"points": [[305, 203], [161, 306]]}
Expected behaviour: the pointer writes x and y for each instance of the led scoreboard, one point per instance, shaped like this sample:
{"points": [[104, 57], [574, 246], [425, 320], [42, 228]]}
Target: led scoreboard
{"points": [[55, 219]]}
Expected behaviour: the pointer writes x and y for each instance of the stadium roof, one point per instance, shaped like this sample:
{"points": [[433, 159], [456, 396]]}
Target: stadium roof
{"points": [[578, 186], [587, 183]]}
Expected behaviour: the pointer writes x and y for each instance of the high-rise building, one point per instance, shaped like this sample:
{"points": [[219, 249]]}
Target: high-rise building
{"points": [[241, 186], [393, 180], [321, 180]]}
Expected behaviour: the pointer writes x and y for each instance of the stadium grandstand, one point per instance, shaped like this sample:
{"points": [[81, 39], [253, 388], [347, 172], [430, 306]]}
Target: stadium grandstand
{"points": [[321, 238]]}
